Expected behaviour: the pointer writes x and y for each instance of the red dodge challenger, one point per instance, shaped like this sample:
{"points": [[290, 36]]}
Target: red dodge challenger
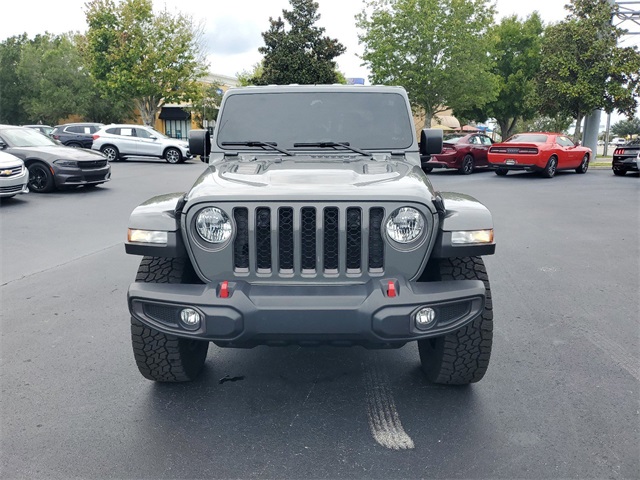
{"points": [[462, 152], [539, 152]]}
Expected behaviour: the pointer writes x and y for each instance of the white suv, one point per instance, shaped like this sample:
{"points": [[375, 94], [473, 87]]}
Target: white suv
{"points": [[121, 141]]}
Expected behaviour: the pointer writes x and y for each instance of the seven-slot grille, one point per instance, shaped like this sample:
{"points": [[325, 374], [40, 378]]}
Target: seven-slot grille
{"points": [[308, 240]]}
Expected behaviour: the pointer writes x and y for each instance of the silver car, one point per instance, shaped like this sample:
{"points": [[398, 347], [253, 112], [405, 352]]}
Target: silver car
{"points": [[14, 176], [118, 142]]}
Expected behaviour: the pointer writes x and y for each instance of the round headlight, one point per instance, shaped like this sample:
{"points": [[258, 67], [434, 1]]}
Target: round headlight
{"points": [[213, 225], [405, 225]]}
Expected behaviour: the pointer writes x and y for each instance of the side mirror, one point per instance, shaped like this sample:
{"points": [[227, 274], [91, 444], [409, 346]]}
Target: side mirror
{"points": [[2, 145], [153, 137], [200, 143], [430, 141]]}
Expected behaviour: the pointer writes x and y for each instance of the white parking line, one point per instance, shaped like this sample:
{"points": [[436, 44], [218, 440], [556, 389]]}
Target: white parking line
{"points": [[384, 421]]}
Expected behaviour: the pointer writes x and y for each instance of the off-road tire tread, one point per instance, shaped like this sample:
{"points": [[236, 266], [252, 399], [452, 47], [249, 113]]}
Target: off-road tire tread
{"points": [[461, 357], [162, 357]]}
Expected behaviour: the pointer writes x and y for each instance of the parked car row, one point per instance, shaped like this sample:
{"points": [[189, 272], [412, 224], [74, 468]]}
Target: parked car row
{"points": [[49, 164], [118, 142]]}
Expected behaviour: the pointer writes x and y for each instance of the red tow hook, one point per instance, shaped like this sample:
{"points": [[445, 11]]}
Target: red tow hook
{"points": [[224, 289], [391, 289]]}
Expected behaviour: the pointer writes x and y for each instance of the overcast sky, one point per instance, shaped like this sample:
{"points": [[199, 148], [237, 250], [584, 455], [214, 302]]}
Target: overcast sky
{"points": [[234, 27]]}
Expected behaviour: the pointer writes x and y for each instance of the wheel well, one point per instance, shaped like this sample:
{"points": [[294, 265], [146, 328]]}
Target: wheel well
{"points": [[31, 161], [170, 148], [108, 145]]}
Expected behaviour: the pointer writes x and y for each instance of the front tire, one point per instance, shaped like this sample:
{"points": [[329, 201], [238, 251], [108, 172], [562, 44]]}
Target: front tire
{"points": [[173, 155], [584, 166], [551, 168], [461, 357], [467, 165], [161, 357], [40, 178]]}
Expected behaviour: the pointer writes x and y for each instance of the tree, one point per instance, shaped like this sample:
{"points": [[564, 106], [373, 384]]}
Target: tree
{"points": [[301, 53], [205, 104], [11, 89], [516, 57], [558, 124], [246, 77], [136, 55], [53, 78], [437, 50], [583, 69], [626, 128]]}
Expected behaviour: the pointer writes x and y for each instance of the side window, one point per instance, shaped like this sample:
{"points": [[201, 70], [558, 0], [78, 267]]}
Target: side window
{"points": [[564, 141], [142, 133], [486, 140], [87, 130], [113, 131], [127, 132], [73, 129]]}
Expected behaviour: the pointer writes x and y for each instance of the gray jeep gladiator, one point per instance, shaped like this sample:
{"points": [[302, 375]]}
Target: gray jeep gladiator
{"points": [[313, 224]]}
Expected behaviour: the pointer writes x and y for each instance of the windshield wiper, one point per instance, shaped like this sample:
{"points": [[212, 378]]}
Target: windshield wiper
{"points": [[256, 143], [333, 144]]}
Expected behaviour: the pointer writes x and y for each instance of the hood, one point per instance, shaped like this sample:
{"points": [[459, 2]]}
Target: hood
{"points": [[7, 160], [309, 178], [55, 152]]}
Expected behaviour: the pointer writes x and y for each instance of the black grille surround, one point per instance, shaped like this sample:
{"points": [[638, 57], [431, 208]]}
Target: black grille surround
{"points": [[317, 242]]}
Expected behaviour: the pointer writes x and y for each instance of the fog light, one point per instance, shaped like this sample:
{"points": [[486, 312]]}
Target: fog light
{"points": [[190, 317], [425, 318]]}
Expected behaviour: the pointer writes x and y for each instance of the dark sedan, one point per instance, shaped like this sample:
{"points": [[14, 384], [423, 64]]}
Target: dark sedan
{"points": [[461, 152], [51, 165]]}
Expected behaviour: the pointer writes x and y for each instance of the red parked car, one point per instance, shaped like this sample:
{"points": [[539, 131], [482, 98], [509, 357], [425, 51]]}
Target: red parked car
{"points": [[462, 152], [539, 152]]}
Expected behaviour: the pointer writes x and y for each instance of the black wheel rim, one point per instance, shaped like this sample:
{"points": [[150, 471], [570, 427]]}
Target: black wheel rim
{"points": [[468, 165], [552, 166], [38, 178]]}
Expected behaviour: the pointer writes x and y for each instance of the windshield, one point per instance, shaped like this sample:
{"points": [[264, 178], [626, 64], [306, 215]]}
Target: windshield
{"points": [[527, 138], [25, 137], [365, 120]]}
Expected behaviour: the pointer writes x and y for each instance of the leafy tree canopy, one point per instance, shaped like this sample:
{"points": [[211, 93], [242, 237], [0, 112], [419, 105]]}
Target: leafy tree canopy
{"points": [[11, 89], [436, 50], [137, 55], [626, 128], [300, 53], [516, 57], [582, 67]]}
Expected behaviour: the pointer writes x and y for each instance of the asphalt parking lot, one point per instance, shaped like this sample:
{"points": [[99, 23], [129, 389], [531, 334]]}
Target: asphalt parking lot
{"points": [[560, 399]]}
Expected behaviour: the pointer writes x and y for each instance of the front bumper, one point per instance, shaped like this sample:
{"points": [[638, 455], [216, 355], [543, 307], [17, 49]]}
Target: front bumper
{"points": [[362, 314], [10, 186], [71, 176]]}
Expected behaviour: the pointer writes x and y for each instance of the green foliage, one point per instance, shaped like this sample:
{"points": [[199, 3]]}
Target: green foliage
{"points": [[205, 104], [557, 124], [583, 68], [53, 78], [11, 89], [136, 55], [626, 128], [516, 56], [247, 77], [300, 54], [436, 50]]}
